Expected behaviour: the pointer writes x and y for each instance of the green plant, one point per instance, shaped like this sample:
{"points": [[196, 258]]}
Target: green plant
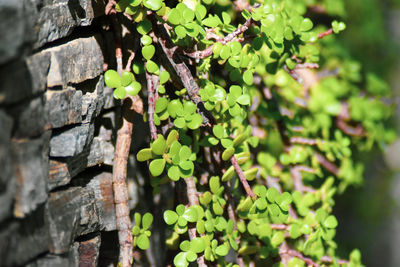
{"points": [[263, 121]]}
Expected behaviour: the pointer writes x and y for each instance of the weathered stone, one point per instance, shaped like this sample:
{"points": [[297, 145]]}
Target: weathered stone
{"points": [[69, 259], [58, 19], [71, 142], [64, 107], [7, 181], [14, 28], [74, 62], [101, 184], [109, 100], [92, 100], [31, 164], [23, 240], [63, 170], [30, 117], [89, 252], [72, 212]]}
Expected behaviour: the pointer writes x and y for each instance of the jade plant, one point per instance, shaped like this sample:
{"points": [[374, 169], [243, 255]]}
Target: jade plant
{"points": [[253, 111]]}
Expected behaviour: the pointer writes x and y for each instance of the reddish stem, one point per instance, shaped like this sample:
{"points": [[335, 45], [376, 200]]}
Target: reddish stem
{"points": [[151, 103], [242, 178], [325, 33]]}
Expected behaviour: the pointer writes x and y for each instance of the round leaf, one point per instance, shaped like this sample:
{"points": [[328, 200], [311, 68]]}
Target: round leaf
{"points": [[190, 214], [143, 242], [248, 77], [159, 145], [170, 217], [144, 154], [331, 222], [161, 104], [147, 220], [143, 27], [148, 51], [119, 93], [112, 79], [153, 4], [133, 88], [126, 78], [197, 245], [222, 250], [173, 173], [157, 167], [228, 153]]}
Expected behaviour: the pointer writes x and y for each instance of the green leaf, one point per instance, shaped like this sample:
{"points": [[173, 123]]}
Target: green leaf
{"points": [[138, 67], [338, 26], [147, 220], [214, 184], [272, 194], [180, 123], [331, 222], [228, 174], [217, 47], [148, 51], [173, 173], [248, 77], [185, 153], [161, 104], [225, 52], [174, 17], [222, 250], [196, 122], [119, 93], [243, 100], [126, 78], [200, 11], [159, 145], [133, 88], [112, 79], [157, 167], [152, 67], [197, 245], [190, 214], [191, 256], [174, 107], [277, 238], [143, 242], [228, 153], [143, 27], [306, 25], [144, 154], [135, 230], [180, 31], [153, 4], [146, 40], [164, 77], [186, 165], [180, 260], [170, 217], [251, 174]]}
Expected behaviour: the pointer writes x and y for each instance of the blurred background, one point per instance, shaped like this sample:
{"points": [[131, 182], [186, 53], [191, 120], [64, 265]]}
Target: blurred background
{"points": [[370, 214]]}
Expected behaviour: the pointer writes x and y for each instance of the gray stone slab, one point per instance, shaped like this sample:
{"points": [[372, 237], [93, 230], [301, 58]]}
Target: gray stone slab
{"points": [[30, 117], [71, 142], [75, 62], [31, 165], [7, 181], [71, 213], [64, 107], [63, 170], [101, 185], [93, 99], [23, 240]]}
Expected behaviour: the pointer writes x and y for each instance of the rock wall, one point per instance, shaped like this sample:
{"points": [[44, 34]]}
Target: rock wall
{"points": [[57, 135]]}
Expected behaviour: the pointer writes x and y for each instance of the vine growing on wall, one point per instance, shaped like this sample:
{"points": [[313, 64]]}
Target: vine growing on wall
{"points": [[252, 108]]}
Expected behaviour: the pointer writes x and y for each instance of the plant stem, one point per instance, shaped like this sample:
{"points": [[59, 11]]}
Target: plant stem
{"points": [[151, 103], [242, 178], [193, 200]]}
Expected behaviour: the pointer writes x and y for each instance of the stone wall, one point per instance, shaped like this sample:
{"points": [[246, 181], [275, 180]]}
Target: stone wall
{"points": [[57, 135]]}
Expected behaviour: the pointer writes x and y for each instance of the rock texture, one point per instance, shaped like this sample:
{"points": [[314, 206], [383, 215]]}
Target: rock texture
{"points": [[57, 135]]}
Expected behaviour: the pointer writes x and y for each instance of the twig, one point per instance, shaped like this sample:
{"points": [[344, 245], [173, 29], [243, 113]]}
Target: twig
{"points": [[330, 166], [122, 147], [151, 103], [295, 253], [349, 130], [279, 226], [325, 33], [230, 37], [242, 178], [193, 199], [330, 260], [181, 69], [305, 141]]}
